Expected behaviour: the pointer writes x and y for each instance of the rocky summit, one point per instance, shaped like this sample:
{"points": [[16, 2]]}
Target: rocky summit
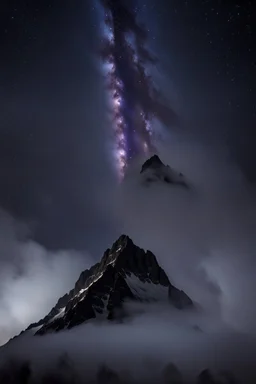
{"points": [[125, 272], [154, 170]]}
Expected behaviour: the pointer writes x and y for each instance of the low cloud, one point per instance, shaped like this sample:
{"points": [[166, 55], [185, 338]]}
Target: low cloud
{"points": [[203, 237], [138, 349], [31, 278]]}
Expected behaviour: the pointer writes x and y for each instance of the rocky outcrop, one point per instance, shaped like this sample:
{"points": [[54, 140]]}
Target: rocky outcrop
{"points": [[153, 162]]}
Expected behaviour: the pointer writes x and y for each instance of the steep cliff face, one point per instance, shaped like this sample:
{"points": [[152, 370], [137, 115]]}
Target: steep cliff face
{"points": [[125, 272]]}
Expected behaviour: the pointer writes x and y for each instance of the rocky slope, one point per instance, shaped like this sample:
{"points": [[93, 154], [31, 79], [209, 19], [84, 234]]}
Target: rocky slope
{"points": [[125, 272]]}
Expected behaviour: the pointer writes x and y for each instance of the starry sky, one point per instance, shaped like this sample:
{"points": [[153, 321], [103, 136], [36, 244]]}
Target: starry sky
{"points": [[135, 100], [213, 57], [56, 165]]}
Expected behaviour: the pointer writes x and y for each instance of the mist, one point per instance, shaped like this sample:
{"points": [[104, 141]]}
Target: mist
{"points": [[203, 237], [32, 278], [137, 350]]}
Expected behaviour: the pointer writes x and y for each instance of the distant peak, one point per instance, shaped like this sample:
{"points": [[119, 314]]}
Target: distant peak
{"points": [[154, 170], [152, 162]]}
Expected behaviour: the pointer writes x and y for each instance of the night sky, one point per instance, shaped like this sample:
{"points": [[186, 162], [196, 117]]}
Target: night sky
{"points": [[209, 48], [53, 143], [53, 117], [57, 166]]}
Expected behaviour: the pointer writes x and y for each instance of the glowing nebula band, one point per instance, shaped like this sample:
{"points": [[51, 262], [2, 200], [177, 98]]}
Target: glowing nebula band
{"points": [[134, 100]]}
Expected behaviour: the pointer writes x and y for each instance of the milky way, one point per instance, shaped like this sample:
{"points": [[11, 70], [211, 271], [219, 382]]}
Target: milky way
{"points": [[135, 101]]}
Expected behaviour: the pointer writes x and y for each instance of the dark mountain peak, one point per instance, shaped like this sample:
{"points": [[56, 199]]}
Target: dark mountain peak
{"points": [[122, 242], [125, 272], [153, 162], [155, 170], [127, 258]]}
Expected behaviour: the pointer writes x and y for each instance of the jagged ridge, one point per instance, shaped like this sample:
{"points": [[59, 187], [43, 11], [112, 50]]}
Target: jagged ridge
{"points": [[124, 272]]}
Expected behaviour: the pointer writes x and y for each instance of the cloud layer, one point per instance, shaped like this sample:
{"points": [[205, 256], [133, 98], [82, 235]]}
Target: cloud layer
{"points": [[139, 349], [31, 278], [204, 237]]}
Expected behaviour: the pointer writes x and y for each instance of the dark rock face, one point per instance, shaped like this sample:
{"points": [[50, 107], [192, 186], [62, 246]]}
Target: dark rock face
{"points": [[154, 170], [125, 272], [153, 162]]}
